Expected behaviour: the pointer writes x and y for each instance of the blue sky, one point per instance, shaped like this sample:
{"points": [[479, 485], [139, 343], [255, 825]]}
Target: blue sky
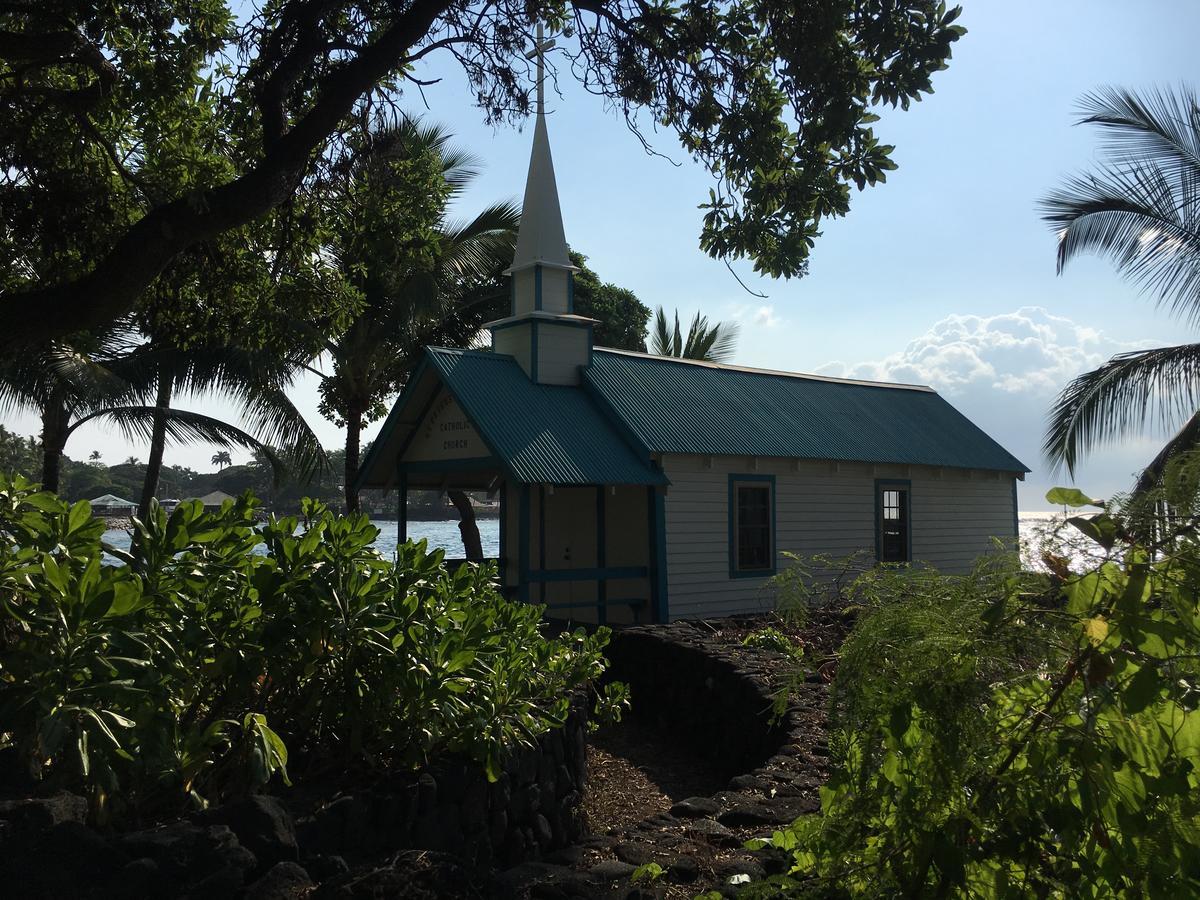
{"points": [[944, 275]]}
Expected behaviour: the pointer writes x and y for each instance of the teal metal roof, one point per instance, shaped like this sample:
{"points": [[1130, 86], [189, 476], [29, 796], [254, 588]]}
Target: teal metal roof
{"points": [[542, 433], [672, 406]]}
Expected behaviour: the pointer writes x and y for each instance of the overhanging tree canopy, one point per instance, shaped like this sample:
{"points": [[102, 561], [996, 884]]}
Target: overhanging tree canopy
{"points": [[772, 96]]}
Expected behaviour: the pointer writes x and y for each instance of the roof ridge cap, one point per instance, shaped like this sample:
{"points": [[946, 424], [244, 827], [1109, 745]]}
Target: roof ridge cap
{"points": [[777, 373]]}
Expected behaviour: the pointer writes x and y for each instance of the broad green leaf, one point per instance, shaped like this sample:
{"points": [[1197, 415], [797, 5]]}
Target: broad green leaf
{"points": [[1073, 497]]}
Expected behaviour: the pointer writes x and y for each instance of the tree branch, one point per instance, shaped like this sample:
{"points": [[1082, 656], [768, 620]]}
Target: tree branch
{"points": [[113, 287]]}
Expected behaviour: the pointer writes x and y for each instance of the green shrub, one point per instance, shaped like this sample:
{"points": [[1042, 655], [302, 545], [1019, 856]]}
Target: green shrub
{"points": [[770, 638], [1009, 735], [201, 666]]}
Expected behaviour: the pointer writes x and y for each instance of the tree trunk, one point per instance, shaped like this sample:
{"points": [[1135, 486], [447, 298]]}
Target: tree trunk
{"points": [[353, 442], [158, 441], [54, 439], [467, 526]]}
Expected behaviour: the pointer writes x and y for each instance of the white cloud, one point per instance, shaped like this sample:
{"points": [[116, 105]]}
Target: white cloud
{"points": [[1029, 351], [1003, 372], [757, 316]]}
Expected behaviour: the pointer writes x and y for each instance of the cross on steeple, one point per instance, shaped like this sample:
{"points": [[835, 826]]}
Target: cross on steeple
{"points": [[541, 45]]}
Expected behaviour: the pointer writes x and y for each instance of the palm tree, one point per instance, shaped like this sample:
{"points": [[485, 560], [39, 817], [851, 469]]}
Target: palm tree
{"points": [[410, 299], [222, 459], [1141, 209], [105, 377], [95, 456], [711, 343]]}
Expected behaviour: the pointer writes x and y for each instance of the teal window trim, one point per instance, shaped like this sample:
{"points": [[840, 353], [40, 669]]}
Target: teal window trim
{"points": [[537, 287], [533, 351], [736, 479], [1016, 516], [904, 484]]}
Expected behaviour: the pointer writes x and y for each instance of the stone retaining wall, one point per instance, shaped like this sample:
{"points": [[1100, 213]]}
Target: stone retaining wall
{"points": [[716, 696], [691, 689], [531, 809], [255, 849]]}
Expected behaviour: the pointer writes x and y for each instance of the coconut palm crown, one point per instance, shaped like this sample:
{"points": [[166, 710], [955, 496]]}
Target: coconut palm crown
{"points": [[710, 343], [1140, 208], [427, 281]]}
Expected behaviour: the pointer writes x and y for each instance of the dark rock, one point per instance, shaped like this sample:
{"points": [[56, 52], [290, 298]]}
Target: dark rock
{"points": [[566, 856], [263, 826], [610, 870], [728, 868], [188, 852], [712, 832], [283, 881], [142, 878], [40, 813], [341, 825], [662, 820], [427, 793], [474, 806], [747, 783], [750, 814], [696, 808], [323, 868], [683, 870], [518, 880], [636, 854], [542, 831]]}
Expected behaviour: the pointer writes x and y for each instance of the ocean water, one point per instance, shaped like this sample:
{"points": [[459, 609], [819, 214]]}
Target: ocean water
{"points": [[443, 535]]}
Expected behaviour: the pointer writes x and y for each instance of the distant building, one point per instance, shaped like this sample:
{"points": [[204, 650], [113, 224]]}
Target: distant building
{"points": [[641, 487], [112, 506], [214, 499]]}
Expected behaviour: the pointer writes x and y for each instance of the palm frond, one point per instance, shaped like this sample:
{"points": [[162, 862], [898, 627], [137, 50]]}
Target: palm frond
{"points": [[1121, 397], [660, 340], [1157, 126], [136, 423], [1185, 440], [1141, 207], [1147, 226]]}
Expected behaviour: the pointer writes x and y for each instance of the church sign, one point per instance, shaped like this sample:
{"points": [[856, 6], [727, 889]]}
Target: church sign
{"points": [[446, 433]]}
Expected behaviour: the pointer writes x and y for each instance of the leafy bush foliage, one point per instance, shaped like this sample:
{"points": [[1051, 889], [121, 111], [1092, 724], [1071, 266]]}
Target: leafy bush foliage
{"points": [[1006, 734], [770, 638], [220, 652]]}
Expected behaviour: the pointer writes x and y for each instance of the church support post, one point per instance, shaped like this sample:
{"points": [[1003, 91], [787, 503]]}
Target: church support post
{"points": [[523, 547], [601, 560], [656, 512], [402, 510]]}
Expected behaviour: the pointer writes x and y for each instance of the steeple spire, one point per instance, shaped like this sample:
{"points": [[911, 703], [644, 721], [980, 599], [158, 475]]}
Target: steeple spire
{"points": [[543, 334], [541, 238]]}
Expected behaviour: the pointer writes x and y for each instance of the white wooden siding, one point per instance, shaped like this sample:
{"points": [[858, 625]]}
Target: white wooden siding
{"points": [[514, 341], [562, 349], [554, 290], [820, 507]]}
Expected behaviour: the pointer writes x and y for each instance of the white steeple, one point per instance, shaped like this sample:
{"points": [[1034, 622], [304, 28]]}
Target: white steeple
{"points": [[543, 334], [541, 238]]}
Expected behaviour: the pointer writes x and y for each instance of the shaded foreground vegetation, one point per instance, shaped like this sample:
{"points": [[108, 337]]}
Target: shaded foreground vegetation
{"points": [[1004, 734], [197, 670]]}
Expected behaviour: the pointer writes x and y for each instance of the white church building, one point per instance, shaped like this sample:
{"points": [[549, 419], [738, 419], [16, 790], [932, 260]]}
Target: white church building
{"points": [[643, 488]]}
